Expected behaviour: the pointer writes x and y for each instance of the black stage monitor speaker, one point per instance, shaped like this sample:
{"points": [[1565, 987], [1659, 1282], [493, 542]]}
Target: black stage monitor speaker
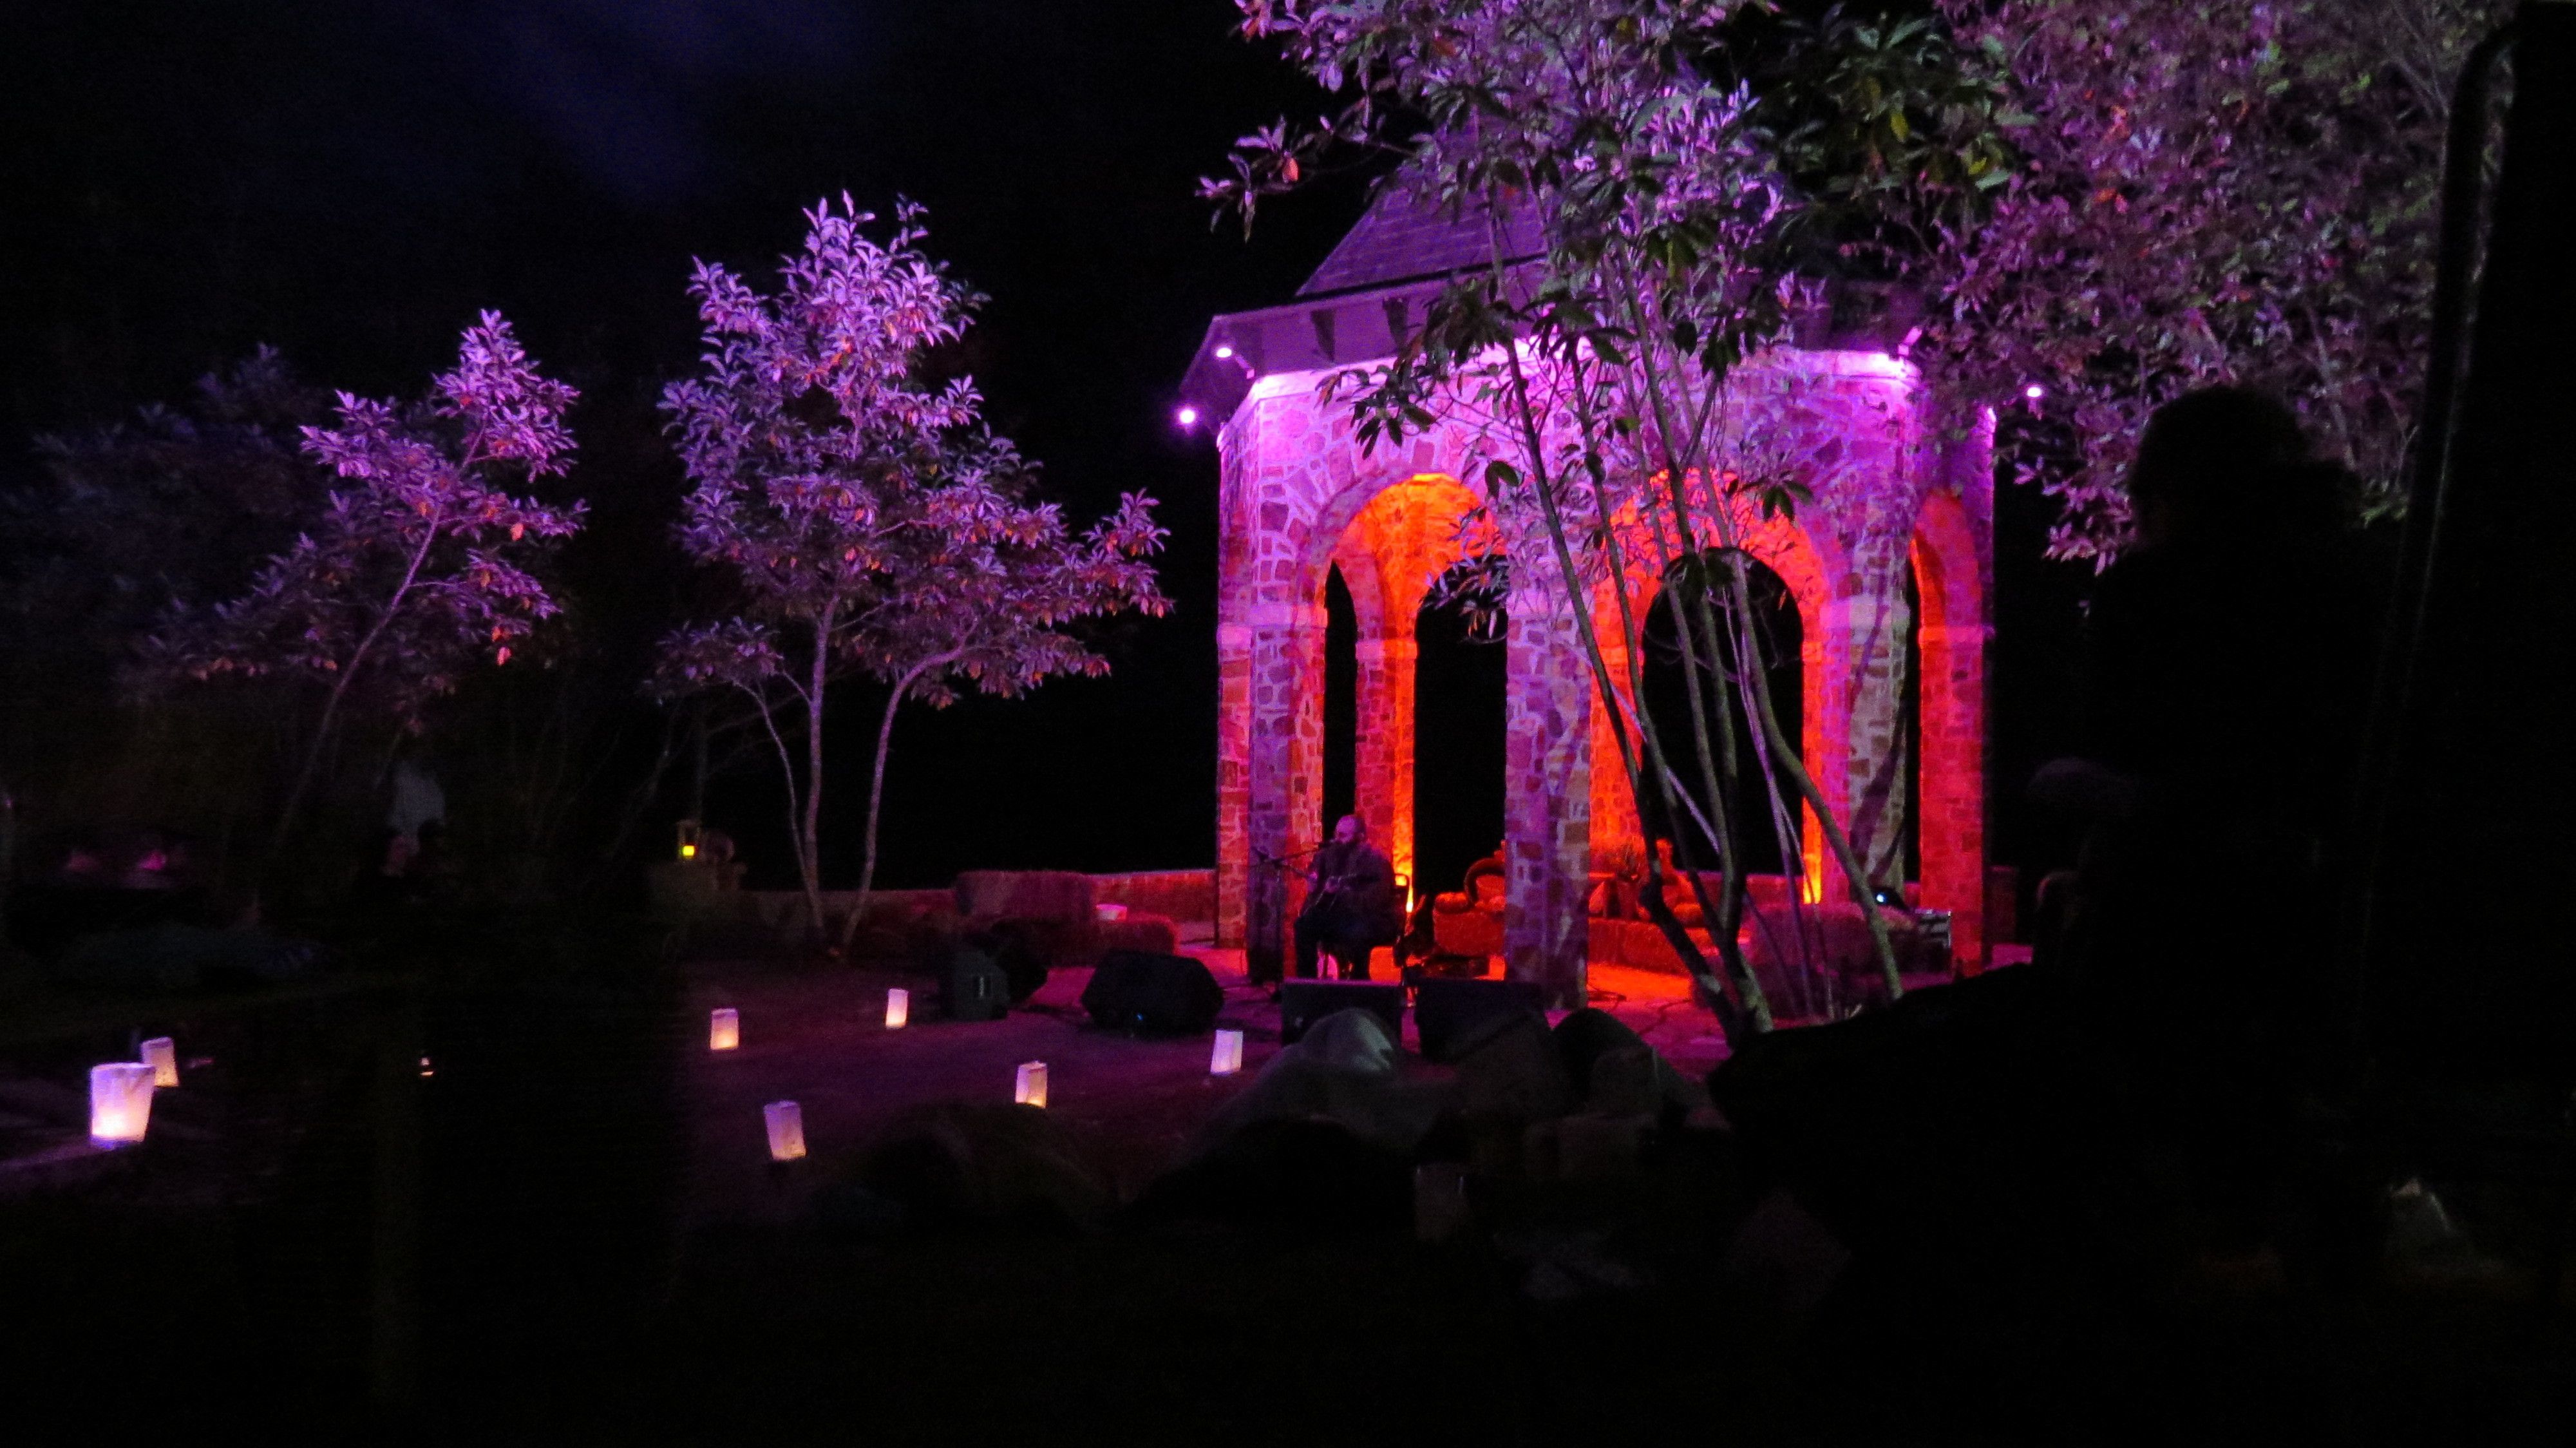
{"points": [[1158, 995], [974, 988], [1304, 1002], [1446, 1012]]}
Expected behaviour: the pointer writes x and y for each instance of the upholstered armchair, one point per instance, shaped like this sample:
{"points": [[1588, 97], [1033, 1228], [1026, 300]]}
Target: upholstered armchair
{"points": [[1469, 921]]}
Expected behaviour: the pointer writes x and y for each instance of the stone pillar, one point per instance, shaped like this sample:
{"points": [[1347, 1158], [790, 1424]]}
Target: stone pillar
{"points": [[1233, 780], [1953, 568], [1617, 841], [1871, 629], [1823, 743], [1547, 802], [1384, 749], [1954, 782], [1284, 787]]}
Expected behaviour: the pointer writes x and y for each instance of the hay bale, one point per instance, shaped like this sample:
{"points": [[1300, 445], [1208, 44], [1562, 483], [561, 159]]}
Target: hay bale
{"points": [[1059, 896]]}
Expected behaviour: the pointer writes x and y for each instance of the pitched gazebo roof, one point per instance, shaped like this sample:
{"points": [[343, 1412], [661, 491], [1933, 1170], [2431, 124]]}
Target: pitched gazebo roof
{"points": [[1372, 289], [1358, 304], [1402, 238]]}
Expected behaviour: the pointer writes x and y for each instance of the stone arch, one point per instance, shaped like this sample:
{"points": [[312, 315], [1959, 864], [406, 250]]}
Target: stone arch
{"points": [[1298, 493], [1391, 537], [1787, 548], [1951, 705]]}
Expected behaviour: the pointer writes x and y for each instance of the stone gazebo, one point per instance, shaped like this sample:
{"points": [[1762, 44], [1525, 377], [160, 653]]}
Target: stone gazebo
{"points": [[1896, 500]]}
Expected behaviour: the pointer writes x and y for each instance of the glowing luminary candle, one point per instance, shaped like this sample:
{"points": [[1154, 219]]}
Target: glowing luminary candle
{"points": [[786, 1130], [1227, 1058], [163, 1058], [120, 1103], [898, 1008], [1030, 1089], [724, 1029]]}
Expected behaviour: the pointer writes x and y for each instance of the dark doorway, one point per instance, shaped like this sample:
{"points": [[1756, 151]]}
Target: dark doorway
{"points": [[1667, 702], [1341, 701], [1457, 736]]}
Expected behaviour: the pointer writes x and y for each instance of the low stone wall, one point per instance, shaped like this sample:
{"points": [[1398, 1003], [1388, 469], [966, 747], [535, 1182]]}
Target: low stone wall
{"points": [[784, 910], [1183, 896], [1180, 895]]}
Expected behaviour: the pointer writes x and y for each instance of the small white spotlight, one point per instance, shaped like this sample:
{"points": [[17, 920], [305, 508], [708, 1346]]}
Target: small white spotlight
{"points": [[1187, 417], [1222, 350], [2034, 392]]}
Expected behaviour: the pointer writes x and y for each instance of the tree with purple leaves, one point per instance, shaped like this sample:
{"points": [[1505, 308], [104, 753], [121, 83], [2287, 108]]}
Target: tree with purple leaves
{"points": [[2213, 191], [869, 520], [419, 567]]}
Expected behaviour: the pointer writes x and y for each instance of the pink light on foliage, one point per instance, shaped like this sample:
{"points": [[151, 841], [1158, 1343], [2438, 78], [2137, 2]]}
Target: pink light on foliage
{"points": [[423, 564]]}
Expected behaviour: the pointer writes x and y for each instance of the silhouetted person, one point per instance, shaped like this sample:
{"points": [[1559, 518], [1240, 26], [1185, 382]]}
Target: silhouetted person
{"points": [[2228, 668], [1351, 909]]}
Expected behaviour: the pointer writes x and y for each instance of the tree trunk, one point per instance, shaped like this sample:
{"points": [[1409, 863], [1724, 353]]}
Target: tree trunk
{"points": [[876, 797], [339, 690], [809, 825]]}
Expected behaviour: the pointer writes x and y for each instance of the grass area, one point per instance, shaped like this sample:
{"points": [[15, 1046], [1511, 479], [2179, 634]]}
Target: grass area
{"points": [[519, 1248]]}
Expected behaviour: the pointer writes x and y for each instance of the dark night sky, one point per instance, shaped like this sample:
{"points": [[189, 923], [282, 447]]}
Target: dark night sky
{"points": [[351, 182]]}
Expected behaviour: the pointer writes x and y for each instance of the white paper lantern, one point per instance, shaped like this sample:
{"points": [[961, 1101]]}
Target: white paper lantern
{"points": [[1030, 1089], [163, 1058], [898, 1008], [724, 1029], [120, 1103], [786, 1130], [1227, 1058]]}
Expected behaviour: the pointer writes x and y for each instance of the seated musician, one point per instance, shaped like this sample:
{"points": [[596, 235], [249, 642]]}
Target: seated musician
{"points": [[1351, 908]]}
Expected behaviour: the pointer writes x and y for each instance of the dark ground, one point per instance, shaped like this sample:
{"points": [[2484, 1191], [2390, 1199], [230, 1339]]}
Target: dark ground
{"points": [[600, 1256]]}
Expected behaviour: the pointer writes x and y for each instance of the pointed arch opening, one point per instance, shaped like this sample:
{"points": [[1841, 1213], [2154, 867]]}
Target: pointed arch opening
{"points": [[1459, 714], [1781, 639]]}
